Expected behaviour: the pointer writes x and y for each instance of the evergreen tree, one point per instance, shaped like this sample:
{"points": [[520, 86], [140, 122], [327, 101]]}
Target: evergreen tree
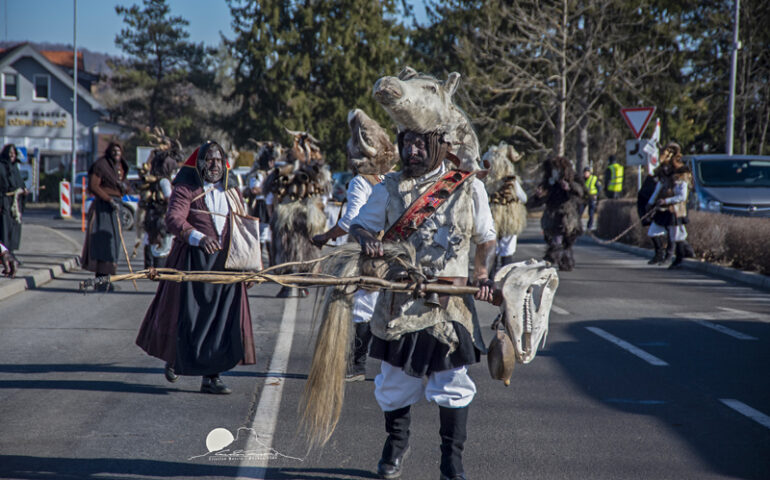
{"points": [[304, 65], [157, 85]]}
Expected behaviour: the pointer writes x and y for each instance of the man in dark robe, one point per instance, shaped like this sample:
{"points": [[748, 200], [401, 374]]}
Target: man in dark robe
{"points": [[101, 249], [11, 190], [199, 328]]}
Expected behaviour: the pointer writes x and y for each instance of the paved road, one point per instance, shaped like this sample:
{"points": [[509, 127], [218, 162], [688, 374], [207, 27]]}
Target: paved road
{"points": [[647, 374]]}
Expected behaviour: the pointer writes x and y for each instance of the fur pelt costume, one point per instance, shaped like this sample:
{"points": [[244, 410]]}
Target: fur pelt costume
{"points": [[508, 212], [298, 208], [562, 194], [369, 149]]}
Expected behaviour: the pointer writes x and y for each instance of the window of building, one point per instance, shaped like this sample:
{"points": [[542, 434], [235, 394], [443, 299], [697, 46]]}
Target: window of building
{"points": [[42, 87], [10, 86]]}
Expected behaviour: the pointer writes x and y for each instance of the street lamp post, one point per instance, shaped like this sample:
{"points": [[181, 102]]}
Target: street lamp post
{"points": [[74, 92], [733, 73]]}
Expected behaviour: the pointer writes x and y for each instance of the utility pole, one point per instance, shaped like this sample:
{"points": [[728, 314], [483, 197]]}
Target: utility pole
{"points": [[733, 73], [74, 94]]}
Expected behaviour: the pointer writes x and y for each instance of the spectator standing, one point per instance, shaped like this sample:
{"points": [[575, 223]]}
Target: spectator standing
{"points": [[613, 178], [12, 191], [593, 187]]}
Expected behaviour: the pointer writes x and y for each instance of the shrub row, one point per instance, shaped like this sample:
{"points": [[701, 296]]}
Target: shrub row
{"points": [[738, 242]]}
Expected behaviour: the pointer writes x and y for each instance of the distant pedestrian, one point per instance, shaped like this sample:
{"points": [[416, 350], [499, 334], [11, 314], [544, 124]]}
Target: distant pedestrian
{"points": [[101, 249], [591, 196], [8, 262], [11, 194], [200, 328], [670, 201], [613, 178]]}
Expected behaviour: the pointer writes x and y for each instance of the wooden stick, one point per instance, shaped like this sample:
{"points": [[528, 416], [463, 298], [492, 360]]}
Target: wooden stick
{"points": [[125, 251]]}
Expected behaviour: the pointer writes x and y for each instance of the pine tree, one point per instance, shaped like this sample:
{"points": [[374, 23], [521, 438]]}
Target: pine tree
{"points": [[164, 71], [304, 65]]}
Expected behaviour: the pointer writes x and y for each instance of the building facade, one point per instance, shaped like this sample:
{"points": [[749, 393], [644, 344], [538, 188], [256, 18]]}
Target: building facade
{"points": [[36, 110]]}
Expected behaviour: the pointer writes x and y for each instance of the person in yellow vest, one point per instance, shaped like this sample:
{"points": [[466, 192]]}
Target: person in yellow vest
{"points": [[593, 187], [613, 178]]}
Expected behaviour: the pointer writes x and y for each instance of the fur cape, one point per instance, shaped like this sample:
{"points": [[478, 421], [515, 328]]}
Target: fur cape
{"points": [[293, 224], [509, 214]]}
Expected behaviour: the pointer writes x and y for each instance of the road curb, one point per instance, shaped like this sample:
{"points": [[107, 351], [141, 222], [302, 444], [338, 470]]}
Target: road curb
{"points": [[726, 273], [37, 277]]}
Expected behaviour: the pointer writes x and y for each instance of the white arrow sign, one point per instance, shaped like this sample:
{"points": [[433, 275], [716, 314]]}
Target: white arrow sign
{"points": [[637, 118]]}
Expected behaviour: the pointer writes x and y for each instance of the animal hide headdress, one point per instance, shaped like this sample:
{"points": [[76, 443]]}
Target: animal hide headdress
{"points": [[369, 149], [421, 103]]}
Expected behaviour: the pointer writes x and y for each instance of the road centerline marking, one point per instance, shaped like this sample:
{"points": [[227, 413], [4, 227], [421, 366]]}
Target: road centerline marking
{"points": [[559, 310], [747, 411], [725, 330], [266, 416], [647, 357]]}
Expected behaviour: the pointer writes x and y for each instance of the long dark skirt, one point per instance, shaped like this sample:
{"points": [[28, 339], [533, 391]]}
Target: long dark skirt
{"points": [[420, 354], [201, 328], [10, 229], [101, 249]]}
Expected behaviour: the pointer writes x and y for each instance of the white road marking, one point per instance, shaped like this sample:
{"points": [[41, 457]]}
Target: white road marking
{"points": [[559, 310], [266, 416], [725, 330], [746, 410], [649, 358]]}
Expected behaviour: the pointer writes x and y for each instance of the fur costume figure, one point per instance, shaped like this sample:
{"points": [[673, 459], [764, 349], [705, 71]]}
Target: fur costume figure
{"points": [[298, 190], [508, 209], [561, 192]]}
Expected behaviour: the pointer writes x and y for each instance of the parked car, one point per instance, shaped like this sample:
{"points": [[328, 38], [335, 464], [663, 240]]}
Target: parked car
{"points": [[732, 184]]}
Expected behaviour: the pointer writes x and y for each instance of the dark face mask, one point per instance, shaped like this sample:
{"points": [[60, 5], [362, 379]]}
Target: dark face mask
{"points": [[211, 166], [415, 156]]}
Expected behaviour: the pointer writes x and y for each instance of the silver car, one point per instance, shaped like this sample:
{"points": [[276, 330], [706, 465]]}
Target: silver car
{"points": [[732, 184]]}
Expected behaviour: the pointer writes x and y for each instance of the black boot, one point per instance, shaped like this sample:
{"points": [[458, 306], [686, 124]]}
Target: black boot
{"points": [[680, 253], [670, 249], [657, 242], [284, 292], [396, 445], [357, 361], [453, 434]]}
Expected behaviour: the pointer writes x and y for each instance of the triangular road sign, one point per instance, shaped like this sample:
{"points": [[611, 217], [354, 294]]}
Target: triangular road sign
{"points": [[637, 118]]}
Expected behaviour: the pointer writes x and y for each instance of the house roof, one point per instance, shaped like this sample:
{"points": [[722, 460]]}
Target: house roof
{"points": [[13, 54]]}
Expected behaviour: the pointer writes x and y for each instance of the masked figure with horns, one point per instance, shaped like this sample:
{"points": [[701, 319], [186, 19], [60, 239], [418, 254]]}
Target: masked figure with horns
{"points": [[200, 328], [438, 208]]}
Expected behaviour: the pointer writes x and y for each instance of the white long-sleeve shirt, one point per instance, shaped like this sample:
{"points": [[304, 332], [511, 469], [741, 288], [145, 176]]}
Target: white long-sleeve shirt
{"points": [[372, 215], [359, 191], [680, 193], [216, 202]]}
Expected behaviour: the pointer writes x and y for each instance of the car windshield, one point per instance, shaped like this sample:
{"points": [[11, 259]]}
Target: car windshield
{"points": [[734, 173]]}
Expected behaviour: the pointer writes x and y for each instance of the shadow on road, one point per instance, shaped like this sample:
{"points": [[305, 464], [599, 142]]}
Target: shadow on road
{"points": [[46, 468], [684, 395], [109, 368]]}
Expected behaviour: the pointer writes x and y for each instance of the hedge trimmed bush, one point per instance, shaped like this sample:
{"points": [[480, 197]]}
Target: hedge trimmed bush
{"points": [[738, 242]]}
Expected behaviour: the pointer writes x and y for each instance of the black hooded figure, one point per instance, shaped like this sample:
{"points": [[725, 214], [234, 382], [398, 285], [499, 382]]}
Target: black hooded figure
{"points": [[10, 201]]}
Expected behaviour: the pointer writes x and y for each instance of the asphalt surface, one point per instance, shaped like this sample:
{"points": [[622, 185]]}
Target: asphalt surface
{"points": [[78, 399]]}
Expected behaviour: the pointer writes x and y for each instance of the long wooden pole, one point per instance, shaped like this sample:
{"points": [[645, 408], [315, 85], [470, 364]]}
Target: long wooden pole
{"points": [[125, 251]]}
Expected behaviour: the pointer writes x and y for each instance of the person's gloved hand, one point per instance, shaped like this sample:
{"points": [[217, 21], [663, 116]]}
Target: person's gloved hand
{"points": [[9, 265], [115, 204], [319, 240], [486, 290], [209, 245]]}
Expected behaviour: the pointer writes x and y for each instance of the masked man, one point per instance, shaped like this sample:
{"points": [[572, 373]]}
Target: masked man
{"points": [[200, 328], [439, 212]]}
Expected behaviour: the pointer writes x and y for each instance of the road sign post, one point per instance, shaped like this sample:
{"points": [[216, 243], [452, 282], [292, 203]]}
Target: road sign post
{"points": [[637, 118]]}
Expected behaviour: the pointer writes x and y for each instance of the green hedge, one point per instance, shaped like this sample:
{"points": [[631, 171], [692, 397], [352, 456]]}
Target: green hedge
{"points": [[737, 242]]}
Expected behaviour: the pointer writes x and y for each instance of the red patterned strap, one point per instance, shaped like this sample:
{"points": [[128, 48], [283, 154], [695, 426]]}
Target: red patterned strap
{"points": [[426, 205]]}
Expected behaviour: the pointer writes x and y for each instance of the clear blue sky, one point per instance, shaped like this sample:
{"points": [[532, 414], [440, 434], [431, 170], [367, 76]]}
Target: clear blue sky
{"points": [[51, 21]]}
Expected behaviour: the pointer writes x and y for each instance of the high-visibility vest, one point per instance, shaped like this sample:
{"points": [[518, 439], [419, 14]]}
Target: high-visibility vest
{"points": [[591, 185], [616, 181]]}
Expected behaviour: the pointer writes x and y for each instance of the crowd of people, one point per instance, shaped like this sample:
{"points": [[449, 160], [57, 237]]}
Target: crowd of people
{"points": [[415, 192]]}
